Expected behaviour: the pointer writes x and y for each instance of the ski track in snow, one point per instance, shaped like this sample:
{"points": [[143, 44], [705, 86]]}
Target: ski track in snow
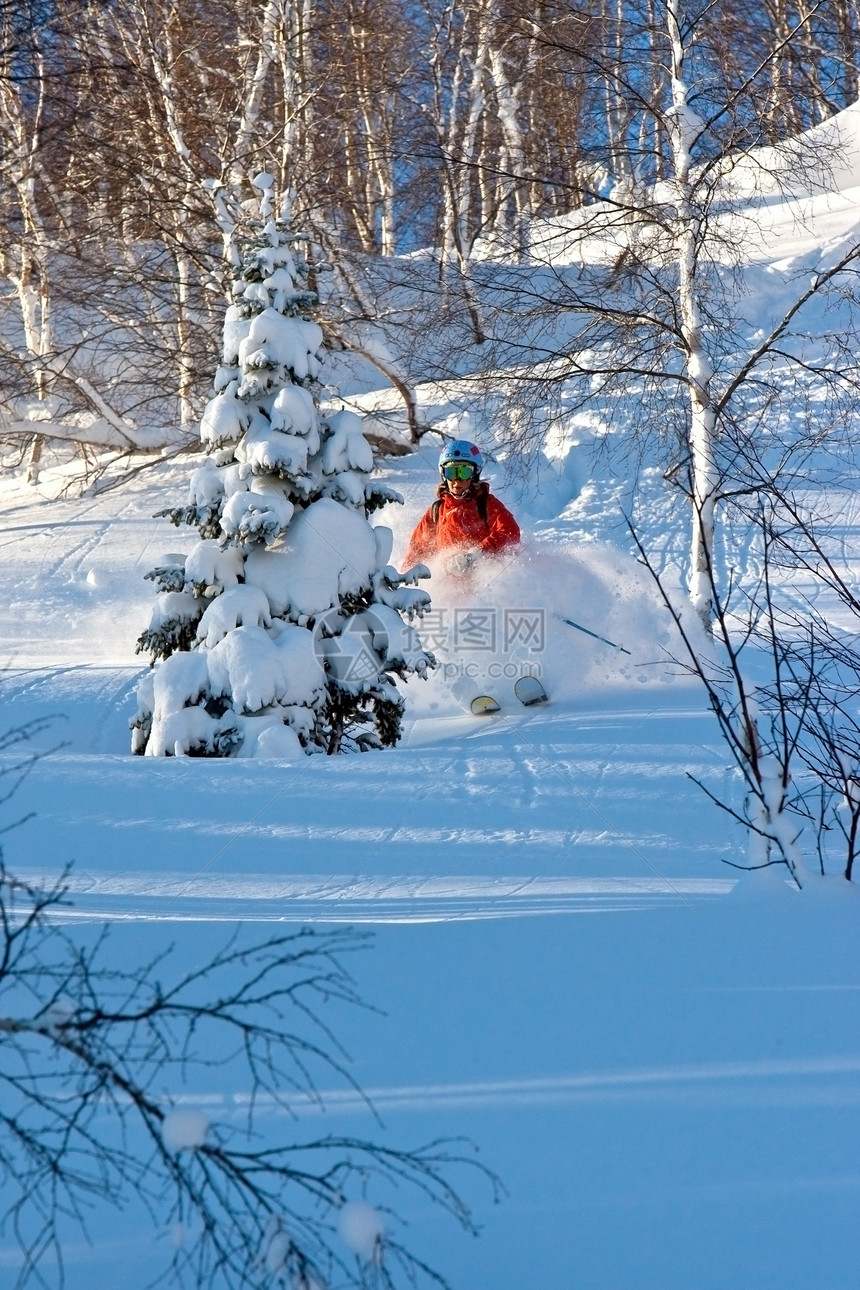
{"points": [[549, 802], [368, 899], [570, 811], [823, 1081]]}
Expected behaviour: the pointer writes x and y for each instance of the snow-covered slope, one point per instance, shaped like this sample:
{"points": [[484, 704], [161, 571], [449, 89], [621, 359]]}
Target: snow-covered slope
{"points": [[776, 204], [668, 1088]]}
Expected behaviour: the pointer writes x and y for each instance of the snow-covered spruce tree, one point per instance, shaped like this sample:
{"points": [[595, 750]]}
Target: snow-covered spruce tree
{"points": [[283, 628]]}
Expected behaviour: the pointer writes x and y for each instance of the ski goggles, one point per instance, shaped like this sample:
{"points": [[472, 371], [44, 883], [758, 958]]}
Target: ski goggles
{"points": [[458, 470]]}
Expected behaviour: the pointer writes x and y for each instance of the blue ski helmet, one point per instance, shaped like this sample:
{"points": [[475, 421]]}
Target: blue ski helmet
{"points": [[462, 450]]}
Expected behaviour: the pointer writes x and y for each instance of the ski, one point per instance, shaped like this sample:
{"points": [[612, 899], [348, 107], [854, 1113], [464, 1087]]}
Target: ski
{"points": [[529, 690], [483, 705]]}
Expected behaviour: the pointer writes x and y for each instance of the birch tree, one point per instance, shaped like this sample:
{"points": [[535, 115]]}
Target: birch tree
{"points": [[35, 95], [26, 266], [458, 63], [697, 236], [658, 300], [685, 129]]}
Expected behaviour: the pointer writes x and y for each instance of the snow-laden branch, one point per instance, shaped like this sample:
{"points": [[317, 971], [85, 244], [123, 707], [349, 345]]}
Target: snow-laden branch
{"points": [[103, 434]]}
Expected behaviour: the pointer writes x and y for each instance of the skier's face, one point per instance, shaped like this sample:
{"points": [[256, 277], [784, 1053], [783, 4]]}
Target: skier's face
{"points": [[459, 476]]}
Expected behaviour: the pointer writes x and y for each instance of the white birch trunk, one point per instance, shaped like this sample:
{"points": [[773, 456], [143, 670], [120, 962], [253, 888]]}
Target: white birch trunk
{"points": [[684, 130], [184, 359], [614, 106], [256, 79], [31, 277], [458, 129], [378, 171], [507, 100], [459, 135]]}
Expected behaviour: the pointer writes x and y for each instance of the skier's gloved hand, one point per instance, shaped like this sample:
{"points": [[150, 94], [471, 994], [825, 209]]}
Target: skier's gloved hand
{"points": [[462, 562]]}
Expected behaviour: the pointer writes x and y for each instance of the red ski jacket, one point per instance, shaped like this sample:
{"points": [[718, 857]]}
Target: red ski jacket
{"points": [[456, 523]]}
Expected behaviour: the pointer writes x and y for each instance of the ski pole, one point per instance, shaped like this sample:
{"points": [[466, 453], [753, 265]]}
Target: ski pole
{"points": [[579, 627]]}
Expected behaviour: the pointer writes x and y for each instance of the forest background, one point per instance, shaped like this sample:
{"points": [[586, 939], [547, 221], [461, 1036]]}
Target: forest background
{"points": [[440, 128]]}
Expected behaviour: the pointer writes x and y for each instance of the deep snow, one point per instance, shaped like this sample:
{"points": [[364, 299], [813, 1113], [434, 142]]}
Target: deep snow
{"points": [[668, 1088]]}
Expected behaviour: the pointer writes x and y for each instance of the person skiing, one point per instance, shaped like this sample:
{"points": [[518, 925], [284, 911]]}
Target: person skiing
{"points": [[466, 520]]}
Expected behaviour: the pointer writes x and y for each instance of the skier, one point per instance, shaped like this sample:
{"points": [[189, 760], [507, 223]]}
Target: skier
{"points": [[465, 521]]}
